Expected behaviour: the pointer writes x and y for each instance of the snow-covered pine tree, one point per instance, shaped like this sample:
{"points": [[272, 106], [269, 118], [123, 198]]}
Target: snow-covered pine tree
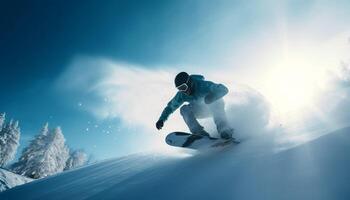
{"points": [[2, 120], [9, 141], [28, 161], [46, 155], [2, 135], [76, 159], [56, 155], [2, 139]]}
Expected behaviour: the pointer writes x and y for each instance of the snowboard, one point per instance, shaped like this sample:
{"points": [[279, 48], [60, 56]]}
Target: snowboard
{"points": [[196, 142]]}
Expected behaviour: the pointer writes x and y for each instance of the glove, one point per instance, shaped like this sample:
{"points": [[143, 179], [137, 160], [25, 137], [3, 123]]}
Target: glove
{"points": [[160, 124]]}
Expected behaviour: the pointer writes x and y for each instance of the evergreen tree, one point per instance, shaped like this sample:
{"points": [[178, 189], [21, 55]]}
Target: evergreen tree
{"points": [[9, 141], [57, 153], [2, 120], [76, 159], [46, 155]]}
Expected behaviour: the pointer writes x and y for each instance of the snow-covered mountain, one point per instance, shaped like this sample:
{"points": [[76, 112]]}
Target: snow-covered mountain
{"points": [[9, 180], [315, 170]]}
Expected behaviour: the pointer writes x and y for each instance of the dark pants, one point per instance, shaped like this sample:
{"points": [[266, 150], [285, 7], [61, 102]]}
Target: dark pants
{"points": [[199, 110]]}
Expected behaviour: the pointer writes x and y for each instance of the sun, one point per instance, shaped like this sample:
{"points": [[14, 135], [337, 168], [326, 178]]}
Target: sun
{"points": [[291, 85], [290, 89]]}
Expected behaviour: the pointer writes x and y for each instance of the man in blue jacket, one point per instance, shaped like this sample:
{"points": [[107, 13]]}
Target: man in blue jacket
{"points": [[204, 100]]}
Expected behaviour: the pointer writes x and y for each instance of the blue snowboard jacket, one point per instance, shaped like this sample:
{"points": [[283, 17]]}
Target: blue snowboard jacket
{"points": [[202, 90]]}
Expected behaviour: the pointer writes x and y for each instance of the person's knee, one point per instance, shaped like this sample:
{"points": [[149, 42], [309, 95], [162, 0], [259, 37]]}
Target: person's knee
{"points": [[217, 105], [184, 110], [220, 102]]}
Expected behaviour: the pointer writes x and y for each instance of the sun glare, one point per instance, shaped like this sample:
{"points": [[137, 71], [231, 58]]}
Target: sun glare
{"points": [[291, 85]]}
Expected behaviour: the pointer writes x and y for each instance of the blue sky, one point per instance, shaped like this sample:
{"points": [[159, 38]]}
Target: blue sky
{"points": [[42, 42]]}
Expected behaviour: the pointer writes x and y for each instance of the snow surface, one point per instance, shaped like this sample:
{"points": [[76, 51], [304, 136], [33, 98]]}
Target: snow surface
{"points": [[251, 170], [9, 180]]}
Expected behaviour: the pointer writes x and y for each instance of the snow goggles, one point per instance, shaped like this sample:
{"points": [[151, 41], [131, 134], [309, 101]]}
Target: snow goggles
{"points": [[183, 87]]}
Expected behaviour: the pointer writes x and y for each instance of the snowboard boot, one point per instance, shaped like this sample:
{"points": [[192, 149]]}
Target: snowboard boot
{"points": [[195, 136], [227, 134], [201, 133]]}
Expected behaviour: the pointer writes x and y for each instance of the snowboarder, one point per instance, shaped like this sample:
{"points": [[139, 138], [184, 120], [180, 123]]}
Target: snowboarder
{"points": [[204, 100]]}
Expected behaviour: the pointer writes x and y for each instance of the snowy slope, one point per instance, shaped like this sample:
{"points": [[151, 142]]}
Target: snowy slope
{"points": [[9, 180], [316, 170]]}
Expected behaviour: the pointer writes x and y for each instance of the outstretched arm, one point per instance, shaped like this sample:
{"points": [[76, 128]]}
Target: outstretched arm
{"points": [[173, 104], [216, 91]]}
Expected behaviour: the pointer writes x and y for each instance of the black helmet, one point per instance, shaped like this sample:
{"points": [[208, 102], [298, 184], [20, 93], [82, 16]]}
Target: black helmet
{"points": [[181, 81], [181, 78]]}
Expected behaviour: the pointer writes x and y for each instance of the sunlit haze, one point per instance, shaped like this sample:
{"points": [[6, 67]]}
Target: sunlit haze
{"points": [[104, 72]]}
